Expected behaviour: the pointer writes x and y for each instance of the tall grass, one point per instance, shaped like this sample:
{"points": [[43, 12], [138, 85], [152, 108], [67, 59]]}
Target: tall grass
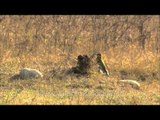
{"points": [[52, 44]]}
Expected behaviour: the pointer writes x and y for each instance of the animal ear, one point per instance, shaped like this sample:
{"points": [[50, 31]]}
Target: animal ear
{"points": [[98, 54], [79, 56], [86, 56]]}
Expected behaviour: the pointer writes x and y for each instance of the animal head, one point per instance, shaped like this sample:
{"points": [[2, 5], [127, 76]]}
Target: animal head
{"points": [[80, 57], [99, 55]]}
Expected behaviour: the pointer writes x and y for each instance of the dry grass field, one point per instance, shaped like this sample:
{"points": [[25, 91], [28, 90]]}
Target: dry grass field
{"points": [[23, 43]]}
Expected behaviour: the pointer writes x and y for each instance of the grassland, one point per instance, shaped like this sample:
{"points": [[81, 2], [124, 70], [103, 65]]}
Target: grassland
{"points": [[129, 46], [61, 89]]}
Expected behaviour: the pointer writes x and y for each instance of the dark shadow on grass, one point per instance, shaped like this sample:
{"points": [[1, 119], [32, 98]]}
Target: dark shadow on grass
{"points": [[15, 77]]}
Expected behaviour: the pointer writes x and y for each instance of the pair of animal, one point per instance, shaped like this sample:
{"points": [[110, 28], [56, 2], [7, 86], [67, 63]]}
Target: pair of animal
{"points": [[83, 64], [28, 73]]}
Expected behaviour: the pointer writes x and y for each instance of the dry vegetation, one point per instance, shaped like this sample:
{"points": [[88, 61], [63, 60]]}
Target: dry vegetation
{"points": [[129, 44]]}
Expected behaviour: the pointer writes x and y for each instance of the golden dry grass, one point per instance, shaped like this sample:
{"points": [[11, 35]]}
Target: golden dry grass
{"points": [[70, 90], [51, 44]]}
